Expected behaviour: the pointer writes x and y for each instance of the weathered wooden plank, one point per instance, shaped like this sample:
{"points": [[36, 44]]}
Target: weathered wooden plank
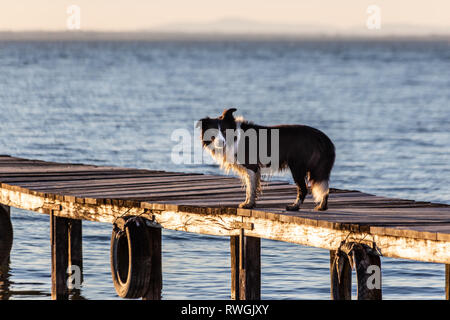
{"points": [[53, 179], [267, 197], [330, 238], [139, 180], [52, 169], [172, 192], [139, 187], [444, 210], [229, 193], [24, 163], [35, 172], [214, 197]]}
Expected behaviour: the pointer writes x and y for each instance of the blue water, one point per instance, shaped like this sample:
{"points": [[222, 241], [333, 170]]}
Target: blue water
{"points": [[386, 105]]}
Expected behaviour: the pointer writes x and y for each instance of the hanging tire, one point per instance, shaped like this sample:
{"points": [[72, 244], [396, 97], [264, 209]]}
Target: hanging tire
{"points": [[130, 257]]}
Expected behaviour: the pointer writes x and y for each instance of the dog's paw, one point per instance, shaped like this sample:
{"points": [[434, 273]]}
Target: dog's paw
{"points": [[320, 208], [292, 207], [245, 205]]}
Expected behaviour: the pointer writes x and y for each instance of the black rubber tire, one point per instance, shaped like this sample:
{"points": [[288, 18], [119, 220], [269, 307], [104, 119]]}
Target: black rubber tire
{"points": [[130, 257]]}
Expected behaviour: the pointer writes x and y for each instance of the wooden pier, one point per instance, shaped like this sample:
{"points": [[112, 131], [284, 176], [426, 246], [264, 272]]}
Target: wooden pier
{"points": [[357, 229]]}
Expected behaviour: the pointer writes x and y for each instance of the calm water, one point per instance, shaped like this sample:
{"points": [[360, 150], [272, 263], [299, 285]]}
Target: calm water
{"points": [[385, 105]]}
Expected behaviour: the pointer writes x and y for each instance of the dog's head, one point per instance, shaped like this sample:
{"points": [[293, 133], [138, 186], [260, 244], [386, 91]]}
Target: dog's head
{"points": [[213, 130]]}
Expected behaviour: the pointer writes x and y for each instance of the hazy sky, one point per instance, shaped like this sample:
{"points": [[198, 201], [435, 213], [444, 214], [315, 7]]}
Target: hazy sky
{"points": [[145, 14]]}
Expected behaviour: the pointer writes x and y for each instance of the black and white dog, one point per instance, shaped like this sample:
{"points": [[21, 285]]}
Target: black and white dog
{"points": [[247, 149]]}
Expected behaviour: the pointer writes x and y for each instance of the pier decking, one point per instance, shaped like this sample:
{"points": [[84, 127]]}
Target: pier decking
{"points": [[207, 204]]}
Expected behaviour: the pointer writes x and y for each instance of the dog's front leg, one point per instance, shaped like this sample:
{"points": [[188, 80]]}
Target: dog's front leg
{"points": [[252, 182]]}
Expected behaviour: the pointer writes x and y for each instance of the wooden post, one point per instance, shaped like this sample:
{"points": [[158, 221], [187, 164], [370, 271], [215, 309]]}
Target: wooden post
{"points": [[447, 281], [59, 233], [245, 267], [6, 235], [234, 249], [154, 292], [341, 276], [67, 250], [6, 239], [75, 254]]}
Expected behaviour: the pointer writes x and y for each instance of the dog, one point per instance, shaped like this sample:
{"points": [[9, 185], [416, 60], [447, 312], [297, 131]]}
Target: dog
{"points": [[237, 145]]}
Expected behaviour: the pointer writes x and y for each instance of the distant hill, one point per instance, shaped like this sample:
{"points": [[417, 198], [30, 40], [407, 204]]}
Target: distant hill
{"points": [[236, 29], [242, 26]]}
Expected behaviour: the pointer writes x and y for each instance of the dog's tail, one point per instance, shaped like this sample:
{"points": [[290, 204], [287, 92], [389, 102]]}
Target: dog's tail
{"points": [[319, 190]]}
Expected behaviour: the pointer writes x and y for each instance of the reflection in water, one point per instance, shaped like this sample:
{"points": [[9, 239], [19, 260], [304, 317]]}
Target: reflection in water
{"points": [[6, 293], [75, 294], [4, 281]]}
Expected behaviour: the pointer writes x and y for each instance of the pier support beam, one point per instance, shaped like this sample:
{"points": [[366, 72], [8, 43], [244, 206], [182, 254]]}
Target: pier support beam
{"points": [[155, 289], [234, 249], [447, 281], [6, 240], [6, 235], [75, 255], [245, 267], [66, 247]]}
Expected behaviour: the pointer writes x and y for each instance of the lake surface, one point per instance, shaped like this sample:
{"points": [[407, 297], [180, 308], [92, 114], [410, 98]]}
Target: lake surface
{"points": [[386, 106]]}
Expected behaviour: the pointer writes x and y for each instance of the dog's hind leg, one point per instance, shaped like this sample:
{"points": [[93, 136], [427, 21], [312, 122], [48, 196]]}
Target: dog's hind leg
{"points": [[320, 193], [252, 181], [299, 177]]}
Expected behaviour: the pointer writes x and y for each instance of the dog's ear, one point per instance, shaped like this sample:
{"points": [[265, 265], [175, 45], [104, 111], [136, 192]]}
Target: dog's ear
{"points": [[228, 114]]}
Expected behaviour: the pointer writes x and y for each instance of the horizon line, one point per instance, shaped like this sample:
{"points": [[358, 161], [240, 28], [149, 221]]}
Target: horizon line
{"points": [[149, 35]]}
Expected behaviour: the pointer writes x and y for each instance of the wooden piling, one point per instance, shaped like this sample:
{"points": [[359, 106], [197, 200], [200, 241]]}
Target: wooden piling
{"points": [[66, 248], [447, 281], [59, 238], [6, 239], [250, 271], [155, 289], [234, 249], [6, 235], [245, 267], [75, 247]]}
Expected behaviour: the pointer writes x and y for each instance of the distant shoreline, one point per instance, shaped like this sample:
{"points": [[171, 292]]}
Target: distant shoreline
{"points": [[146, 36]]}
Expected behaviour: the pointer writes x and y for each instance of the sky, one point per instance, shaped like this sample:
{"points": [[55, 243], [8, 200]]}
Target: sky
{"points": [[131, 15]]}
